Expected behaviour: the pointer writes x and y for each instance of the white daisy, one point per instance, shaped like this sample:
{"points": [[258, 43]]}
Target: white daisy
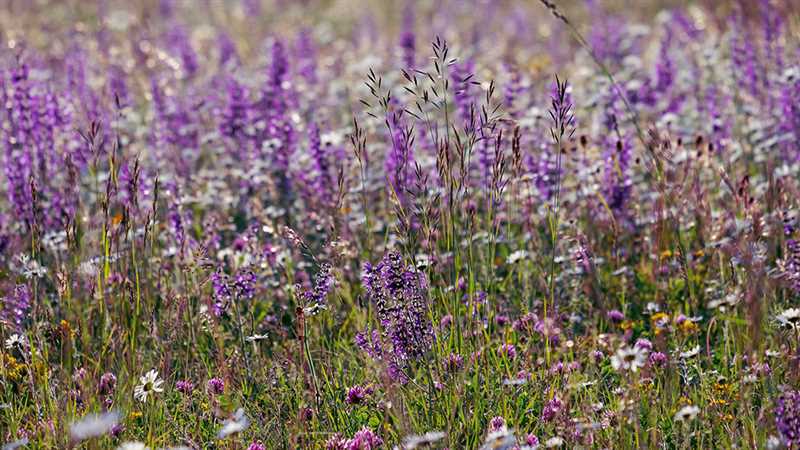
{"points": [[15, 341], [629, 358], [314, 309], [256, 338], [687, 413], [691, 353], [516, 257], [789, 318], [93, 425], [149, 384]]}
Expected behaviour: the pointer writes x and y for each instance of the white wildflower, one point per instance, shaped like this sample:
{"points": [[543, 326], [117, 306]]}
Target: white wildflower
{"points": [[15, 341], [239, 422], [789, 318], [93, 425], [691, 353], [629, 358], [687, 413], [149, 384]]}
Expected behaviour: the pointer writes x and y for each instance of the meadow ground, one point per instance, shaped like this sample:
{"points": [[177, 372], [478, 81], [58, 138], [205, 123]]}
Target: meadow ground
{"points": [[341, 224]]}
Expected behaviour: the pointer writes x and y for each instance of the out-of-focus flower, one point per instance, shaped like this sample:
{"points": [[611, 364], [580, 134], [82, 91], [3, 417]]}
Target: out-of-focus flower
{"points": [[787, 416], [133, 446], [507, 350], [615, 316], [237, 423], [93, 425], [687, 413], [184, 386], [415, 441], [16, 444], [691, 353], [789, 318], [629, 358], [107, 383]]}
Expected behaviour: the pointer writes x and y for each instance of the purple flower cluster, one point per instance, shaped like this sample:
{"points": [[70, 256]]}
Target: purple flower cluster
{"points": [[399, 293], [787, 416], [357, 395], [16, 306], [227, 289], [323, 285], [364, 439], [216, 386]]}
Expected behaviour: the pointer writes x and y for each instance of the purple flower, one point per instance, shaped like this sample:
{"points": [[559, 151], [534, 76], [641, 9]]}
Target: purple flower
{"points": [[501, 320], [644, 344], [454, 362], [789, 266], [526, 324], [322, 287], [256, 446], [365, 439], [407, 38], [335, 442], [615, 316], [551, 409], [184, 386], [497, 423], [108, 383], [399, 293], [216, 386], [15, 307], [445, 321], [357, 394], [658, 359], [117, 430], [787, 416], [227, 289], [507, 350]]}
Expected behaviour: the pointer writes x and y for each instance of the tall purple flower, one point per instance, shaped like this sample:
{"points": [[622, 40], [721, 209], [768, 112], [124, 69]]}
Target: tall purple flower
{"points": [[743, 57], [617, 181], [227, 50], [787, 417], [790, 265], [227, 289], [400, 157], [178, 40], [306, 53], [16, 306], [407, 37], [322, 287], [322, 183], [399, 293], [18, 140], [233, 117]]}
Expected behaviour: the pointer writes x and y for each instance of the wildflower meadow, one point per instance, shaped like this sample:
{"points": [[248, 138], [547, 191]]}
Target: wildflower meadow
{"points": [[369, 224]]}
